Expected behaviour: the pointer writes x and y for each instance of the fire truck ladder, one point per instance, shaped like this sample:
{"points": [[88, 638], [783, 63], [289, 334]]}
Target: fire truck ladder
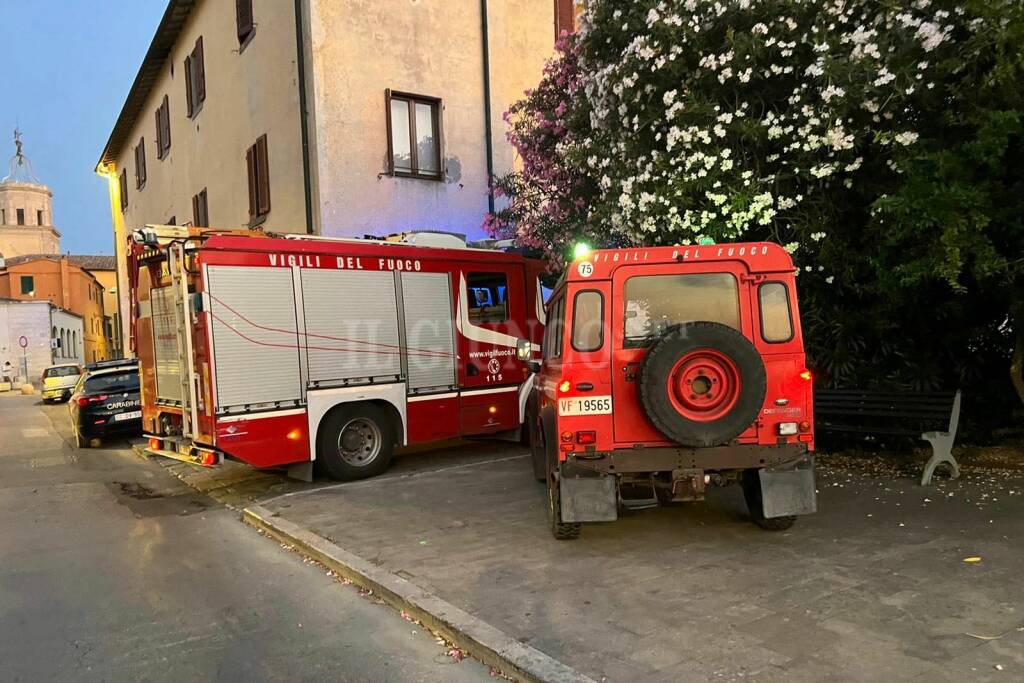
{"points": [[183, 331]]}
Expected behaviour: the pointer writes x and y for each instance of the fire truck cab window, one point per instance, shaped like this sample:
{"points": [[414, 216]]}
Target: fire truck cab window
{"points": [[487, 294]]}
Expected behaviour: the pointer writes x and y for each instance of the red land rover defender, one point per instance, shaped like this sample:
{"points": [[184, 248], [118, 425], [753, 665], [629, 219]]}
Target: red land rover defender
{"points": [[667, 370]]}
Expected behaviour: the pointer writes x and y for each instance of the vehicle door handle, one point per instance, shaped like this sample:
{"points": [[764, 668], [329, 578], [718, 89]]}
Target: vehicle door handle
{"points": [[472, 370], [584, 386]]}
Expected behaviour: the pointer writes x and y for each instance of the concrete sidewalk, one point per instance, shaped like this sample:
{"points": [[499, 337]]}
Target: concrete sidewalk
{"points": [[873, 587]]}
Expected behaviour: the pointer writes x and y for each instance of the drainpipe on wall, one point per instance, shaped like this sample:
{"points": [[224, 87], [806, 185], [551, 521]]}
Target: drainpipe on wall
{"points": [[300, 63], [487, 104]]}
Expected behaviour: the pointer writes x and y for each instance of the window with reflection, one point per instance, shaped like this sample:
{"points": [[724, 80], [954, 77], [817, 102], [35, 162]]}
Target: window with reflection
{"points": [[414, 135]]}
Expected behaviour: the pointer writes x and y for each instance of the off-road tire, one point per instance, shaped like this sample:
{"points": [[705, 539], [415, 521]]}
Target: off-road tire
{"points": [[675, 343], [329, 459], [562, 531], [752, 494]]}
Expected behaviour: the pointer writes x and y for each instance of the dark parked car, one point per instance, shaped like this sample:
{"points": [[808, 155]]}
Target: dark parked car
{"points": [[106, 402]]}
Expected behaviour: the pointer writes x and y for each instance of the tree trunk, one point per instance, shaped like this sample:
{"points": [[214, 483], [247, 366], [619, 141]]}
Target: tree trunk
{"points": [[1017, 360], [1017, 366]]}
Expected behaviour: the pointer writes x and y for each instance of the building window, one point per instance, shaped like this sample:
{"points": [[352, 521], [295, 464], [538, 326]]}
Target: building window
{"points": [[28, 285], [140, 164], [3, 216], [163, 129], [21, 216], [257, 166], [124, 189], [195, 79], [243, 21], [39, 217], [565, 17], [173, 220], [488, 297], [414, 135], [200, 210]]}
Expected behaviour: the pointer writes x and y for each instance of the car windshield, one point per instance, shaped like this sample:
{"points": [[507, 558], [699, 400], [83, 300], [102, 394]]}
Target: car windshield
{"points": [[112, 383], [656, 302], [68, 371]]}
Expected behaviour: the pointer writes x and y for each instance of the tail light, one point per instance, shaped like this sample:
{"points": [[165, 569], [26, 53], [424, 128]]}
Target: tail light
{"points": [[566, 436], [585, 438], [86, 400], [806, 375], [805, 426], [564, 386], [154, 444]]}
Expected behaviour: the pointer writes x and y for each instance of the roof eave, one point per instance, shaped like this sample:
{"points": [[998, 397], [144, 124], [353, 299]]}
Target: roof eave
{"points": [[166, 36]]}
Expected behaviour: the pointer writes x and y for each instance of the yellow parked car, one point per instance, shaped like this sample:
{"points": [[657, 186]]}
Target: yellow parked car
{"points": [[59, 381]]}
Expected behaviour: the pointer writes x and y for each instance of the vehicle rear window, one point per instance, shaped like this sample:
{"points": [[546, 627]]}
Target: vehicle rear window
{"points": [[656, 302], [61, 372], [487, 294], [776, 322], [588, 321], [113, 382]]}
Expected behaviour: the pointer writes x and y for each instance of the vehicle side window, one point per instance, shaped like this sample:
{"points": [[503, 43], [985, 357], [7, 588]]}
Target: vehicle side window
{"points": [[588, 321], [553, 333], [776, 321], [487, 294]]}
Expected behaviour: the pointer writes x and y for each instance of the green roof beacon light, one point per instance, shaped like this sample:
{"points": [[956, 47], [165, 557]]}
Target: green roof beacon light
{"points": [[581, 250], [705, 241]]}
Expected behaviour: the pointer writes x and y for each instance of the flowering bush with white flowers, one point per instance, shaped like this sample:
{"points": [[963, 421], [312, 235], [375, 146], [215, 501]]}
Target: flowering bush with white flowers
{"points": [[834, 127]]}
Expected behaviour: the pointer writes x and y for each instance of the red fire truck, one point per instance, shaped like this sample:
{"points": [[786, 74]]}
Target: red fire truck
{"points": [[293, 350]]}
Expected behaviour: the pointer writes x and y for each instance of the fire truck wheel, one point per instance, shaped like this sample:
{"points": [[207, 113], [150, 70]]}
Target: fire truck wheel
{"points": [[702, 384], [752, 494], [355, 442], [562, 531]]}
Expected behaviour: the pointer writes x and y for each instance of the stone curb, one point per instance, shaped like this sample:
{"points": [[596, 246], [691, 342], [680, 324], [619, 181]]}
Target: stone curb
{"points": [[484, 642]]}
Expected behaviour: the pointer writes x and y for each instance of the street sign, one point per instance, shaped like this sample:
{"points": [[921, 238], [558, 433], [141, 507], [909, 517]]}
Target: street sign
{"points": [[23, 341]]}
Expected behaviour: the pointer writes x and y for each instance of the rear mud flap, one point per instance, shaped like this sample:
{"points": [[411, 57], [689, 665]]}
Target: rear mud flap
{"points": [[789, 489], [589, 499]]}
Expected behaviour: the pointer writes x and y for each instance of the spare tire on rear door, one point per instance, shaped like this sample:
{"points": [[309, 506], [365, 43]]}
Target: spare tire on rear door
{"points": [[702, 383]]}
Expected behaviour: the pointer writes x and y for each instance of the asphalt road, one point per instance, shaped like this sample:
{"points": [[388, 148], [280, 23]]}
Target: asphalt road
{"points": [[111, 569]]}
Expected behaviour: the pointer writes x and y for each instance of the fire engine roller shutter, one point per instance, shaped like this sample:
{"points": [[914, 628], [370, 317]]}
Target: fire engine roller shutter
{"points": [[429, 332], [165, 347], [351, 325], [256, 348]]}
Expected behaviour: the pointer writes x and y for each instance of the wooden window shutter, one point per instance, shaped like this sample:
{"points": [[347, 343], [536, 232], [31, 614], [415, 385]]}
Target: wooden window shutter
{"points": [[243, 17], [200, 71], [250, 167], [263, 177], [124, 189], [160, 132], [142, 161], [195, 210], [166, 138], [188, 85]]}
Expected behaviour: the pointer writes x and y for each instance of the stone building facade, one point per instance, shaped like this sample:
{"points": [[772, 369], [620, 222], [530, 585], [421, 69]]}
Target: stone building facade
{"points": [[332, 117], [67, 286]]}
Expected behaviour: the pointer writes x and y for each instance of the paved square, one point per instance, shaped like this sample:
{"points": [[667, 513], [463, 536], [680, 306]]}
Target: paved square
{"points": [[874, 587]]}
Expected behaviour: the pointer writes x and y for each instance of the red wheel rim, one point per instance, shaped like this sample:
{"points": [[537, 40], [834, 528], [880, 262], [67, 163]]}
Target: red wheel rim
{"points": [[704, 385]]}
